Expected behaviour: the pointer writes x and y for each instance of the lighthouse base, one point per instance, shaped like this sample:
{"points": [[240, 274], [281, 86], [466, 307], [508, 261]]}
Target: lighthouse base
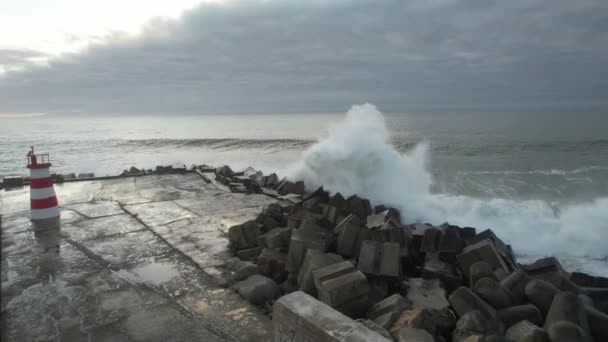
{"points": [[47, 223]]}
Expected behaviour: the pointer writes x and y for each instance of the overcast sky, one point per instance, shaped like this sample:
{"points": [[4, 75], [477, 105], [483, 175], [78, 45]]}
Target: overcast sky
{"points": [[141, 56]]}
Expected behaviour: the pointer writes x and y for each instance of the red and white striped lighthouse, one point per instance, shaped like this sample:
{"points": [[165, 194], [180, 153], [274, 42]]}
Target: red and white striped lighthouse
{"points": [[43, 201]]}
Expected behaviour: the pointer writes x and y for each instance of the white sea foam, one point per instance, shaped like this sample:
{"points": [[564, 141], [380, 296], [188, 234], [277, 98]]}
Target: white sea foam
{"points": [[357, 158]]}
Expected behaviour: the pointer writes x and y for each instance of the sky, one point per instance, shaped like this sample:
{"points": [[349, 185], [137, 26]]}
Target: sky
{"points": [[143, 56]]}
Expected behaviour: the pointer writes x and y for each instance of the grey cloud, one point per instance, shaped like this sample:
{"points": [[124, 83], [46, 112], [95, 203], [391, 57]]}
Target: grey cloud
{"points": [[292, 55]]}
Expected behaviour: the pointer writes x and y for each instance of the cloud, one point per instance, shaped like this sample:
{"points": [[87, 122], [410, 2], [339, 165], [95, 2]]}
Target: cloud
{"points": [[297, 55]]}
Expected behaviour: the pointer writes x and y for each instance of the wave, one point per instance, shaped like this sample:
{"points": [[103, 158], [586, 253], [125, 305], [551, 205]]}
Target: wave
{"points": [[218, 144], [548, 172], [358, 158]]}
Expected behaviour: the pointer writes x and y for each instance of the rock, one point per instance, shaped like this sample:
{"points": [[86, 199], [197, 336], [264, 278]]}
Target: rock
{"points": [[225, 171], [13, 182], [481, 251], [347, 293], [567, 307], [478, 270], [516, 283], [249, 254], [541, 293], [464, 300], [376, 328], [277, 238], [386, 312], [514, 314], [272, 264], [380, 259], [475, 323], [415, 335], [300, 317], [350, 236], [525, 331], [426, 293], [314, 260], [598, 323], [245, 270], [309, 236], [435, 268], [493, 293], [564, 331], [244, 235], [434, 321], [258, 289]]}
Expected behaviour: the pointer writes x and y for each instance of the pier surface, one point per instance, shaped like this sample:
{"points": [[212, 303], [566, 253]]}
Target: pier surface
{"points": [[138, 259]]}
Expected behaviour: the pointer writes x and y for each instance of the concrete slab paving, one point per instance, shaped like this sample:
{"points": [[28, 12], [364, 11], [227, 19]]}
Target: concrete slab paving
{"points": [[136, 259]]}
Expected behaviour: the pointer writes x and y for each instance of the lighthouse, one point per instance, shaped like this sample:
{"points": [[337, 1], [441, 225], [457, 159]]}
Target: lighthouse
{"points": [[43, 201]]}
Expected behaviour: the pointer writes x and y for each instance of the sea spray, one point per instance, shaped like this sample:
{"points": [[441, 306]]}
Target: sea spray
{"points": [[357, 158]]}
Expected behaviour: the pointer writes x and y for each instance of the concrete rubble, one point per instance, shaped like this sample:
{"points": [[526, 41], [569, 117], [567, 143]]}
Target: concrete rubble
{"points": [[236, 244]]}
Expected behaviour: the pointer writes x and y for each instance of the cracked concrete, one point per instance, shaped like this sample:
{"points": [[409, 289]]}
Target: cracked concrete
{"points": [[135, 259]]}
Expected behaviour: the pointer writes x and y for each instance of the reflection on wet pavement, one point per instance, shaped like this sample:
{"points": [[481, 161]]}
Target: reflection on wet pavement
{"points": [[136, 259]]}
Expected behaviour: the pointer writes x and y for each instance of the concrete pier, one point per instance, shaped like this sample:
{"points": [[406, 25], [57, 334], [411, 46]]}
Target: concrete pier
{"points": [[136, 259]]}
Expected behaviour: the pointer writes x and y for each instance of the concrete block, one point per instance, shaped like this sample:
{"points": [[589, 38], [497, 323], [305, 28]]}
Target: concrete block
{"points": [[244, 235], [450, 240], [271, 263], [435, 322], [426, 293], [314, 260], [359, 206], [527, 312], [541, 293], [598, 323], [490, 290], [415, 335], [331, 271], [478, 270], [435, 268], [481, 251], [380, 259], [277, 238], [475, 323], [525, 331], [564, 331], [430, 240], [349, 236], [347, 293], [386, 312], [299, 317], [567, 307], [516, 283], [503, 249], [464, 300], [258, 289], [307, 237], [249, 254]]}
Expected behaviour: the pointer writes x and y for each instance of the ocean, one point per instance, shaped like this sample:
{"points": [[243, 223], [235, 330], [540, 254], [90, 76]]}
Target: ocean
{"points": [[538, 178]]}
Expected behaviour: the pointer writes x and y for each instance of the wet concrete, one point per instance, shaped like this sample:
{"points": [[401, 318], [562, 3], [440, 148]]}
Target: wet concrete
{"points": [[135, 259]]}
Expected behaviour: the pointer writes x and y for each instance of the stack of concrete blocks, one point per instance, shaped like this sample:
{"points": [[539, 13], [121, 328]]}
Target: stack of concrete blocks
{"points": [[343, 288], [299, 317]]}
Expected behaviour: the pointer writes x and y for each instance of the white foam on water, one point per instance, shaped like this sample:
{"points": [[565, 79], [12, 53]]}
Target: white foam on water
{"points": [[357, 158]]}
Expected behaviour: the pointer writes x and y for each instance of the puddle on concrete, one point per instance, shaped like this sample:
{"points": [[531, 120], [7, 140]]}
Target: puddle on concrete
{"points": [[154, 273]]}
